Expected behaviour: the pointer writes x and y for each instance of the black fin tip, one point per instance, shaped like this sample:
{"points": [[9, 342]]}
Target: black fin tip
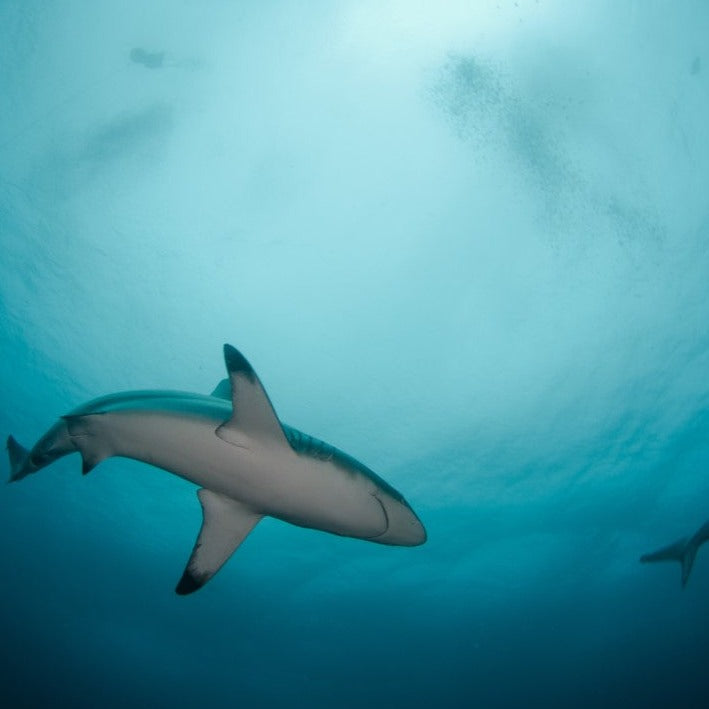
{"points": [[190, 583], [236, 363]]}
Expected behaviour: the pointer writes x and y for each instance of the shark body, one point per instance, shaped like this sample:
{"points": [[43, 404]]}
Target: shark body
{"points": [[683, 550], [246, 462]]}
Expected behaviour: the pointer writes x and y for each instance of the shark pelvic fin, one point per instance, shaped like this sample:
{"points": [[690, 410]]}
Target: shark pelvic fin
{"points": [[225, 524], [88, 463], [253, 415], [81, 430]]}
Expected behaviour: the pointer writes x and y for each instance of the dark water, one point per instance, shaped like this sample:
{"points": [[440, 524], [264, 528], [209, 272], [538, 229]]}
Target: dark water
{"points": [[466, 242]]}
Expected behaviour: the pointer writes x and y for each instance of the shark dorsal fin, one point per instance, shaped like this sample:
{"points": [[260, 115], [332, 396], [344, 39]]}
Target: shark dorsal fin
{"points": [[252, 415], [225, 524], [222, 390]]}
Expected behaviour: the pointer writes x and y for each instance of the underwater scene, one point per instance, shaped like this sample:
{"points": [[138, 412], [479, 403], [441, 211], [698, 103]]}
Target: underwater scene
{"points": [[354, 354]]}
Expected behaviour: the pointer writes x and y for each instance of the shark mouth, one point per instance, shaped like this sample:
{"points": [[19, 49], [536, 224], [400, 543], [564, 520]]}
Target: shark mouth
{"points": [[386, 518]]}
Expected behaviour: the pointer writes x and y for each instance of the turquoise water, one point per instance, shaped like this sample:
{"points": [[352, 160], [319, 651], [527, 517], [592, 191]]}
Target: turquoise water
{"points": [[465, 242]]}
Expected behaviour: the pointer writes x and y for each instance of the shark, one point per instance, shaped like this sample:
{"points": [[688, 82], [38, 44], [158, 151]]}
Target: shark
{"points": [[246, 463], [684, 551]]}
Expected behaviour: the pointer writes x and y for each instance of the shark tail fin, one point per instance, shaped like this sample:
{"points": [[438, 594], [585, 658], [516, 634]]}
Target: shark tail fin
{"points": [[19, 459], [683, 550]]}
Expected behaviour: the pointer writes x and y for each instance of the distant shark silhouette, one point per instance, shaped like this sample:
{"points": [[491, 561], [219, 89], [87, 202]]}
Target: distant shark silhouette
{"points": [[150, 60], [245, 461], [683, 550]]}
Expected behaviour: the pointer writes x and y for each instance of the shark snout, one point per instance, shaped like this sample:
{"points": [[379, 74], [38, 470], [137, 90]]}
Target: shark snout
{"points": [[404, 528]]}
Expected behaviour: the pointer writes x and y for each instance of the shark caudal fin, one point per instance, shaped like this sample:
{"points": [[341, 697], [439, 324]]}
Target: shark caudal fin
{"points": [[19, 458], [683, 550]]}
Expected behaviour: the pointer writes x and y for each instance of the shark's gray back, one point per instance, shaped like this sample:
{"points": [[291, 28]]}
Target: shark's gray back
{"points": [[218, 410]]}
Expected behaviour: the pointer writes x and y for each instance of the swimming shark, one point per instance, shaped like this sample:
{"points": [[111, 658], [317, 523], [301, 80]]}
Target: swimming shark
{"points": [[683, 550], [246, 463]]}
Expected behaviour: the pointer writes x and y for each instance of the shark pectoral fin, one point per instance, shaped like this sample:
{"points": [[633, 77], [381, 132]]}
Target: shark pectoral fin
{"points": [[225, 524], [252, 411]]}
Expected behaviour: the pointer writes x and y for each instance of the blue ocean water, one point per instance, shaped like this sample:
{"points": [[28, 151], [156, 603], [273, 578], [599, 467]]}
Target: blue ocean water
{"points": [[466, 242]]}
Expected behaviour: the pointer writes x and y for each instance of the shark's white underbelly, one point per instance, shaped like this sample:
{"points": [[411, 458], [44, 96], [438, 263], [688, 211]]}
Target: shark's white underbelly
{"points": [[272, 480], [246, 461]]}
